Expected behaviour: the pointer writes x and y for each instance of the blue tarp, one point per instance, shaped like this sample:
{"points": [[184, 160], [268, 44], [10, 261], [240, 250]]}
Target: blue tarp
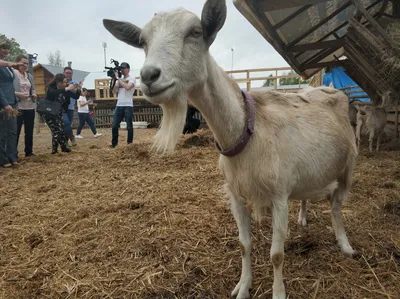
{"points": [[340, 79]]}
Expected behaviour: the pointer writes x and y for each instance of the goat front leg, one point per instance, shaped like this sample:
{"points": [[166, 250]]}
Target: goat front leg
{"points": [[358, 133], [243, 219], [371, 140], [279, 234], [302, 220], [378, 142]]}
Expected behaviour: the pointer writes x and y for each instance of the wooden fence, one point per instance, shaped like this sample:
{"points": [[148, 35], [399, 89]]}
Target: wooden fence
{"points": [[245, 76], [145, 111]]}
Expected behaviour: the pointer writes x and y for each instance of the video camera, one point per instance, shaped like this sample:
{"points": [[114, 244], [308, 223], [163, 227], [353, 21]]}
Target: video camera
{"points": [[111, 70]]}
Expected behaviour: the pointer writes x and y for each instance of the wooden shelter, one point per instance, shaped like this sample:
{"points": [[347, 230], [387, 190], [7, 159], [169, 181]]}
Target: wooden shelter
{"points": [[44, 73], [363, 36]]}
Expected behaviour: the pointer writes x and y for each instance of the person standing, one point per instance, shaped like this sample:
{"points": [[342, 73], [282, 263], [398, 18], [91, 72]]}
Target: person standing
{"points": [[84, 115], [68, 115], [25, 91], [8, 104], [60, 92], [125, 87]]}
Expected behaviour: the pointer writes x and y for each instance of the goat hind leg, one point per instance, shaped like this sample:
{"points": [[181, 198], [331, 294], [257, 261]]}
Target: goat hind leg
{"points": [[302, 220], [243, 219], [337, 222], [279, 234]]}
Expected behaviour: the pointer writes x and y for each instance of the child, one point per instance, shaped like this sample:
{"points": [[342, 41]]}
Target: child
{"points": [[84, 115]]}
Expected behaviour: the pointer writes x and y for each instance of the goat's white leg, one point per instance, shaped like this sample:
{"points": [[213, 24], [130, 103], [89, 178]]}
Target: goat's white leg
{"points": [[279, 234], [371, 140], [358, 133], [336, 199], [303, 213], [243, 219], [378, 142]]}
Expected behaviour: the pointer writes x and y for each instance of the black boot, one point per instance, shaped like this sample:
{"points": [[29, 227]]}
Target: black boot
{"points": [[66, 150]]}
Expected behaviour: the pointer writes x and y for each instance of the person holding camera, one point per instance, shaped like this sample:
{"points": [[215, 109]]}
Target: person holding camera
{"points": [[125, 87], [59, 90], [68, 115]]}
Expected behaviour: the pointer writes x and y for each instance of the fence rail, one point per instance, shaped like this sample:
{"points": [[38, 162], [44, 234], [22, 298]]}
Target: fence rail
{"points": [[144, 111], [245, 76]]}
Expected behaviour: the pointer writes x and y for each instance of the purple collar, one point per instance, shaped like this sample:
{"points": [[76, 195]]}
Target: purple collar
{"points": [[248, 129]]}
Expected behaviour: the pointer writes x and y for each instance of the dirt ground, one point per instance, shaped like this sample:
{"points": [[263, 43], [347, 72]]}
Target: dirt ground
{"points": [[122, 223]]}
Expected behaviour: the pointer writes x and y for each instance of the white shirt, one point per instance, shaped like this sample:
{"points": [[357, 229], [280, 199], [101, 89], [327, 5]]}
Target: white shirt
{"points": [[125, 97], [83, 109]]}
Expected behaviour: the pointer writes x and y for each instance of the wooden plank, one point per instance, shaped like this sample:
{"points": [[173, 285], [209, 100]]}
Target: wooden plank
{"points": [[360, 6], [271, 5], [392, 117], [315, 27], [287, 19], [320, 65], [318, 45]]}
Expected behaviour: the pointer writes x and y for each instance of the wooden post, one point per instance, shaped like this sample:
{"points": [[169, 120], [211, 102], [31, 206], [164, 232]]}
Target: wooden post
{"points": [[248, 83], [276, 80]]}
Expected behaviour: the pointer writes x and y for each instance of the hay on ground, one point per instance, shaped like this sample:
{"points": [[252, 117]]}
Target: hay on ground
{"points": [[124, 223]]}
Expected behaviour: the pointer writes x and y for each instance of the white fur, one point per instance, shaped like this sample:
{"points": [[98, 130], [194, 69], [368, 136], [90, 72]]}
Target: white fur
{"points": [[303, 144]]}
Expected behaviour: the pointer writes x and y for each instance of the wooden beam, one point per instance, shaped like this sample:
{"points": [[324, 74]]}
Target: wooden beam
{"points": [[315, 27], [318, 45], [287, 19], [340, 26], [320, 65], [359, 5], [270, 5], [319, 56]]}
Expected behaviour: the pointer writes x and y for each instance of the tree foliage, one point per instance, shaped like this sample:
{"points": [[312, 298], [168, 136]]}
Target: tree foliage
{"points": [[15, 48], [286, 81], [55, 58]]}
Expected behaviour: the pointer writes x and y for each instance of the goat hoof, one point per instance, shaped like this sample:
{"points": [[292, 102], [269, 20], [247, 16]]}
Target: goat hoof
{"points": [[241, 291], [350, 253]]}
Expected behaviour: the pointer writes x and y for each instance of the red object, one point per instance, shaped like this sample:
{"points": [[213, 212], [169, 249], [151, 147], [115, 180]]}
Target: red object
{"points": [[91, 113]]}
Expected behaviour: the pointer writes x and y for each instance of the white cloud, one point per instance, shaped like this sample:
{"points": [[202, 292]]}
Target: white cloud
{"points": [[76, 29]]}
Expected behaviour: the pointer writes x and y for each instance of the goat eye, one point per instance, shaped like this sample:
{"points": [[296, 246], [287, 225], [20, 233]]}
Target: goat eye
{"points": [[196, 32]]}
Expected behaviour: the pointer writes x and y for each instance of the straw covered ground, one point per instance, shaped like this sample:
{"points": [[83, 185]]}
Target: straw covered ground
{"points": [[122, 223]]}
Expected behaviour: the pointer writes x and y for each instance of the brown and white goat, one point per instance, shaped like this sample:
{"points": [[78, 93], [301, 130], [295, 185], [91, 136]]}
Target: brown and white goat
{"points": [[299, 148]]}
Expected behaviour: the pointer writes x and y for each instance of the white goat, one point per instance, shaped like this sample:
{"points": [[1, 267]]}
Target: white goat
{"points": [[370, 120], [297, 149]]}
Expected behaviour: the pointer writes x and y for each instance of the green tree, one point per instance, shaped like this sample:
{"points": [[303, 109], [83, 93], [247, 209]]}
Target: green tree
{"points": [[269, 82], [292, 81], [55, 58], [15, 48]]}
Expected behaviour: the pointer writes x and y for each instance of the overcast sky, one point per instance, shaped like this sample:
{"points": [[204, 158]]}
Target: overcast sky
{"points": [[76, 29]]}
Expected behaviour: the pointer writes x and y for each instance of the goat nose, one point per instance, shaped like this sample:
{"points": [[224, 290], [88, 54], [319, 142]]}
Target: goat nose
{"points": [[150, 74]]}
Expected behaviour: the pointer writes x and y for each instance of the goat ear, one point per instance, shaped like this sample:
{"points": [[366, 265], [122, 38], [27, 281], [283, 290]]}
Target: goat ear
{"points": [[213, 18], [124, 31]]}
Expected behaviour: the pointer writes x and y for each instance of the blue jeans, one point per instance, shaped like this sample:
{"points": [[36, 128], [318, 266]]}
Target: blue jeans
{"points": [[68, 118], [119, 114], [85, 117]]}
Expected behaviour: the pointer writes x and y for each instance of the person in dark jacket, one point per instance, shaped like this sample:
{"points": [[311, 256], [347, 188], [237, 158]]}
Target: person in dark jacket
{"points": [[59, 91], [8, 106], [192, 123]]}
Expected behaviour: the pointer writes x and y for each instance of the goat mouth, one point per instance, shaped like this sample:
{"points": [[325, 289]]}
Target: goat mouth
{"points": [[157, 92]]}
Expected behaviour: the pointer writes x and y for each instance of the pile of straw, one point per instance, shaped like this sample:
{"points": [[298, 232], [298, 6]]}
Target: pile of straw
{"points": [[124, 223]]}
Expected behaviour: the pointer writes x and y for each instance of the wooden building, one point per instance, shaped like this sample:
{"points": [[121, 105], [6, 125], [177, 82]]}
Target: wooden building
{"points": [[44, 73], [362, 36]]}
